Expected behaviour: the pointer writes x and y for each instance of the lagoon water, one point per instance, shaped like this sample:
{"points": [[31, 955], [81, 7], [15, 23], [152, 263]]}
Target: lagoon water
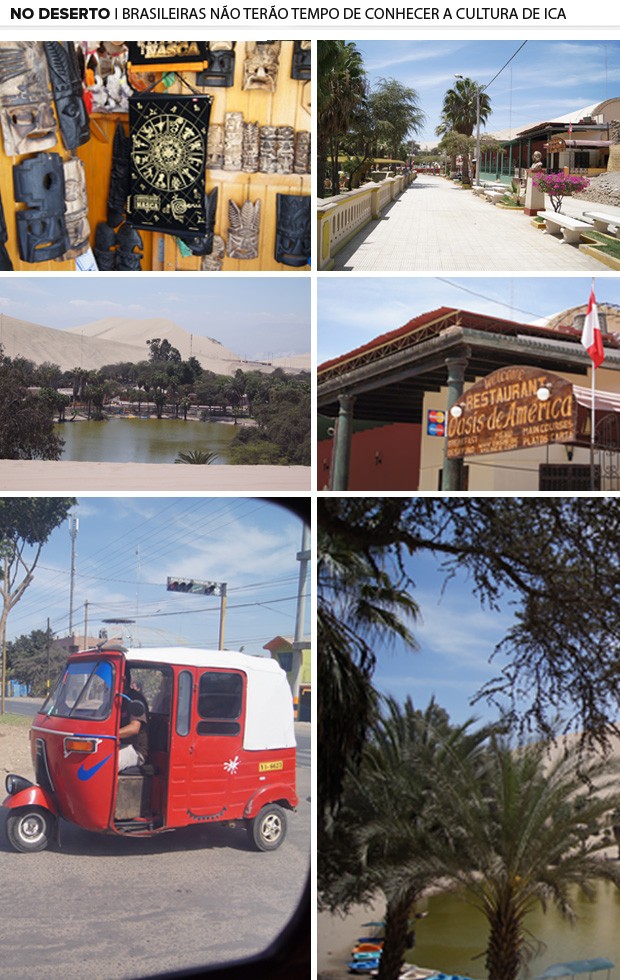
{"points": [[453, 934], [136, 440]]}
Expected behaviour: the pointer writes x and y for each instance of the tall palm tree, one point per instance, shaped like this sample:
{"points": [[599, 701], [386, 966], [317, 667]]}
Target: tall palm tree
{"points": [[532, 828], [363, 597], [459, 113], [392, 832], [342, 92]]}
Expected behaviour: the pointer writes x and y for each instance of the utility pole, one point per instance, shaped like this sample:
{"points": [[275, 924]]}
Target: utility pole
{"points": [[86, 624], [303, 557], [74, 526], [222, 614], [47, 648]]}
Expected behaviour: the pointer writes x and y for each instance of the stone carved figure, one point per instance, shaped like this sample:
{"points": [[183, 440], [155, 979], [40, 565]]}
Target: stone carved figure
{"points": [[214, 261], [233, 140], [62, 62], [243, 229], [268, 149], [301, 162], [250, 147], [285, 149], [260, 68], [76, 208], [215, 147], [26, 114]]}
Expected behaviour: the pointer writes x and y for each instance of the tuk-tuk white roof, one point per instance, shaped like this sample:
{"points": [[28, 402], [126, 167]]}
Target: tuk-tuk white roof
{"points": [[269, 718], [192, 657]]}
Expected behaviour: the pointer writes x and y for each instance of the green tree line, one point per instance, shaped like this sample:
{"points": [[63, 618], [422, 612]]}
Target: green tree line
{"points": [[31, 402]]}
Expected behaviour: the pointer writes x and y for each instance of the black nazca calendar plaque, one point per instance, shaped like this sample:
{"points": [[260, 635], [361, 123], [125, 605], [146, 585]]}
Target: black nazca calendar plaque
{"points": [[168, 158]]}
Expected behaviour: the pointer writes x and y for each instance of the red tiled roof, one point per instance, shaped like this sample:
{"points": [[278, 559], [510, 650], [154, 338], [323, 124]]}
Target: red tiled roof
{"points": [[472, 321]]}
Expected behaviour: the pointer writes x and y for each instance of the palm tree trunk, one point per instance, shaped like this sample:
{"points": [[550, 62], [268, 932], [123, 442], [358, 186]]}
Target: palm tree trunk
{"points": [[505, 940], [397, 914]]}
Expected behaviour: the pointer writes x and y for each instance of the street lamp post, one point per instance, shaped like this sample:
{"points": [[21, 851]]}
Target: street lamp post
{"points": [[478, 91]]}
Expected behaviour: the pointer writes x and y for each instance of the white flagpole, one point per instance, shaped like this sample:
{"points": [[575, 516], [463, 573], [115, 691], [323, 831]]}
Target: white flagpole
{"points": [[593, 413]]}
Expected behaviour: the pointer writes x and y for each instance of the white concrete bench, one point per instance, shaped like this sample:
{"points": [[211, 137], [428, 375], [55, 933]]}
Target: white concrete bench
{"points": [[603, 221], [494, 196], [570, 228]]}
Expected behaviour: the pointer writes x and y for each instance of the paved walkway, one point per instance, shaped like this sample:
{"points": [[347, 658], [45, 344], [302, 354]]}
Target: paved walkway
{"points": [[435, 226]]}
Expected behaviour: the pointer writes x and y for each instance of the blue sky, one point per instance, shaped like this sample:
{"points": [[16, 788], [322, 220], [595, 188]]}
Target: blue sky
{"points": [[547, 79], [352, 311], [252, 316], [456, 638], [127, 546]]}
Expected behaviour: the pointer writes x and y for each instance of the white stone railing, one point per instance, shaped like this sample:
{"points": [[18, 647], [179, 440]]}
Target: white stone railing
{"points": [[341, 216]]}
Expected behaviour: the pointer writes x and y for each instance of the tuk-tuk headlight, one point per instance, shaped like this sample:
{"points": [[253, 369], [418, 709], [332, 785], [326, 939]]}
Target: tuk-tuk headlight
{"points": [[74, 743], [15, 784]]}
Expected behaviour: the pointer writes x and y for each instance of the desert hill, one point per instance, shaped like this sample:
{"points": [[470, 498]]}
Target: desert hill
{"points": [[123, 339]]}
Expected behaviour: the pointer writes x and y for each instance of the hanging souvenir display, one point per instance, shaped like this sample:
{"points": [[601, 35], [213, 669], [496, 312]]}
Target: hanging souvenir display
{"points": [[219, 71], [168, 159], [26, 113], [64, 73], [302, 61], [156, 162], [292, 229], [260, 68], [5, 261], [40, 184], [243, 228], [167, 55]]}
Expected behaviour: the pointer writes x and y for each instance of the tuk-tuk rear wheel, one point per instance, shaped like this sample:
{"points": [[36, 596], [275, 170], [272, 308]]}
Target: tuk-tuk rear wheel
{"points": [[29, 828], [268, 828]]}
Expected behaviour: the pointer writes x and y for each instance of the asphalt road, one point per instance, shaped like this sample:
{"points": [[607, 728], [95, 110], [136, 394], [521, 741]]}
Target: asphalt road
{"points": [[108, 907]]}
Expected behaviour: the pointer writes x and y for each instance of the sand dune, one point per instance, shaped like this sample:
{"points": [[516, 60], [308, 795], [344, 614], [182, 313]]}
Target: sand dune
{"points": [[124, 339], [25, 475]]}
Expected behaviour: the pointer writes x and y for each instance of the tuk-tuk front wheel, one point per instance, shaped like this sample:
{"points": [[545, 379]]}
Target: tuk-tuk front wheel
{"points": [[268, 828], [29, 828]]}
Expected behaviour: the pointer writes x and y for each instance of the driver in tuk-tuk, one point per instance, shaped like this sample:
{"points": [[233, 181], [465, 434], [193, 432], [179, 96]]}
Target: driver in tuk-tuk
{"points": [[133, 732]]}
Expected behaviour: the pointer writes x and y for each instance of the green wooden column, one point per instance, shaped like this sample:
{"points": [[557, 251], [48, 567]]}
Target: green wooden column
{"points": [[342, 443], [453, 468]]}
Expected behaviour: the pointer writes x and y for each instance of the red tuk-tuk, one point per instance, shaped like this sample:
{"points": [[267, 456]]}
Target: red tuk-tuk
{"points": [[221, 747]]}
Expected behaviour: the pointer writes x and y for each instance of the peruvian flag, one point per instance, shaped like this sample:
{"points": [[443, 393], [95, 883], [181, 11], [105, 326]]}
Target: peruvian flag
{"points": [[570, 128], [591, 336]]}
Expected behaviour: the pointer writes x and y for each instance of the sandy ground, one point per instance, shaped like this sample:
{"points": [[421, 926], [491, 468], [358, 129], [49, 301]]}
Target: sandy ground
{"points": [[66, 475], [14, 752]]}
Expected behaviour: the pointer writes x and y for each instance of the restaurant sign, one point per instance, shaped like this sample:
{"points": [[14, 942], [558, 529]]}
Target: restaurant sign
{"points": [[512, 408]]}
